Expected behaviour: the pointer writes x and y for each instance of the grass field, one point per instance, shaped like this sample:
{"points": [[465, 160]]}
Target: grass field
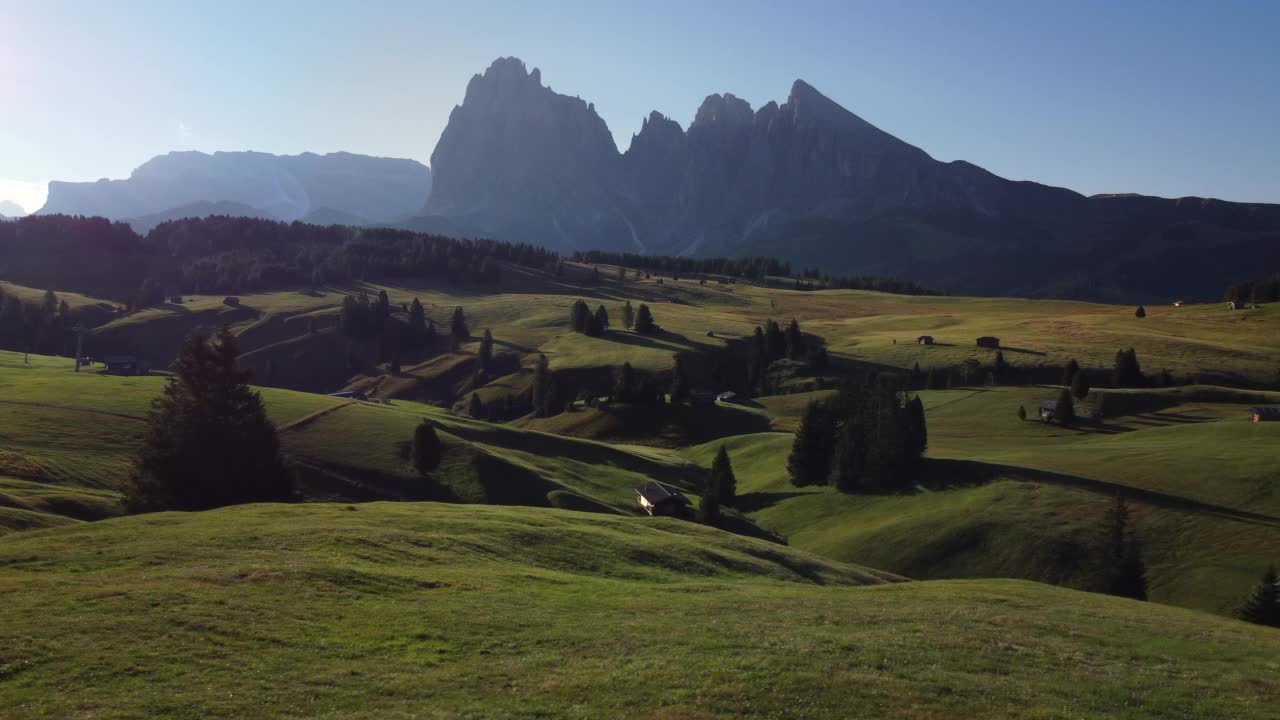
{"points": [[428, 610]]}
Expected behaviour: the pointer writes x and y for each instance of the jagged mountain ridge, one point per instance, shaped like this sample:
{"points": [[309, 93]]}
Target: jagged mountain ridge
{"points": [[285, 187], [811, 182]]}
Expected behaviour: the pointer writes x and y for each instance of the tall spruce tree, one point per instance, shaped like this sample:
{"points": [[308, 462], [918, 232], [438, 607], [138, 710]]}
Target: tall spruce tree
{"points": [[600, 320], [1080, 385], [417, 329], [476, 407], [1141, 312], [1065, 412], [486, 352], [722, 478], [810, 459], [709, 506], [644, 321], [209, 442], [628, 315], [458, 328], [1122, 571], [1069, 372], [580, 317], [543, 391], [680, 393], [795, 341], [1263, 605], [426, 448]]}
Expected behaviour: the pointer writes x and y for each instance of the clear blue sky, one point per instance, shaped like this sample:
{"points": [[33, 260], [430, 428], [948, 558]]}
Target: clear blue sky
{"points": [[1167, 98]]}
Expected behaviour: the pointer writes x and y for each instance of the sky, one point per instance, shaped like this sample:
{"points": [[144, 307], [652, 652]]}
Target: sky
{"points": [[1163, 98]]}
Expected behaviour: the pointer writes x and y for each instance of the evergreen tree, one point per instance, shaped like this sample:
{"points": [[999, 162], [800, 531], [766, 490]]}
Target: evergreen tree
{"points": [[1128, 372], [542, 388], [458, 329], [417, 328], [580, 317], [775, 341], [810, 459], [1080, 385], [680, 393], [1065, 412], [209, 442], [999, 367], [426, 448], [1140, 312], [1263, 605], [1022, 413], [795, 341], [382, 308], [1069, 372], [818, 360], [722, 478], [476, 409], [917, 432], [628, 315], [1122, 573], [848, 457], [644, 321], [625, 387], [486, 352], [600, 320], [622, 273]]}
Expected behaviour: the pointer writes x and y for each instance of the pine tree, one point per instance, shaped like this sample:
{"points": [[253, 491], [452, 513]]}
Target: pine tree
{"points": [[628, 315], [486, 352], [1121, 571], [209, 442], [1069, 372], [580, 317], [810, 459], [458, 329], [680, 393], [644, 321], [600, 320], [917, 433], [542, 388], [417, 328], [722, 478], [795, 341], [775, 341], [476, 409], [999, 367], [1065, 412], [848, 457], [382, 308], [1080, 385], [1263, 605], [426, 448], [1022, 413], [625, 387], [1140, 312]]}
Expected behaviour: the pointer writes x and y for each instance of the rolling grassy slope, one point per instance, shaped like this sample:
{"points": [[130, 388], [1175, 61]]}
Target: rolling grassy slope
{"points": [[1026, 499], [67, 441], [426, 610]]}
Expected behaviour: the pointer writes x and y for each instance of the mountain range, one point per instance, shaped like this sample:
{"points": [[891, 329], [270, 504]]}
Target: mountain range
{"points": [[355, 189], [804, 180], [811, 182]]}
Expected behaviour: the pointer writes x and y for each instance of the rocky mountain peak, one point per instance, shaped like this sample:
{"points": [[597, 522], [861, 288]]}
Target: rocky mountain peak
{"points": [[723, 110]]}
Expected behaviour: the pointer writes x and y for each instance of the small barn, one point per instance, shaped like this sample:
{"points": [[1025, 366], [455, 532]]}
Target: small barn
{"points": [[925, 340], [987, 341], [660, 499], [1048, 410], [1179, 303], [727, 397], [1263, 414], [124, 365]]}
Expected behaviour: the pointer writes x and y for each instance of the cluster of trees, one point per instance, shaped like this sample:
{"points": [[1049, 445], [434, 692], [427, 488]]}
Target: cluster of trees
{"points": [[870, 438], [40, 328], [815, 280], [1128, 372], [1255, 291], [752, 267], [209, 442], [582, 320], [636, 388]]}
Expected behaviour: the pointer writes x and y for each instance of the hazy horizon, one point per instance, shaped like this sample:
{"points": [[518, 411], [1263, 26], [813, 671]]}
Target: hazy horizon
{"points": [[1143, 98]]}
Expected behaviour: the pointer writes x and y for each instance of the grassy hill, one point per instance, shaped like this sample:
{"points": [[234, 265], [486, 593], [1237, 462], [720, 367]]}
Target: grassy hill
{"points": [[428, 610], [1008, 498]]}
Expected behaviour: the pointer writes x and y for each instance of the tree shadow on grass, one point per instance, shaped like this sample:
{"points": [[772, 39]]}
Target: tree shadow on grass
{"points": [[757, 501]]}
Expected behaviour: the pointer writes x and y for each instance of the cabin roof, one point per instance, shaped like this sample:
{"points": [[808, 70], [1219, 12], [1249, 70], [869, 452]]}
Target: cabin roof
{"points": [[655, 492]]}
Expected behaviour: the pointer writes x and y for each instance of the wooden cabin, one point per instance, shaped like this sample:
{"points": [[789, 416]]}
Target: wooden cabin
{"points": [[987, 341], [1263, 414], [662, 500], [925, 340]]}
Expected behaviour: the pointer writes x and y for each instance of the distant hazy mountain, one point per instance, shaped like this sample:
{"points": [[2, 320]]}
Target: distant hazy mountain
{"points": [[145, 223], [811, 182], [8, 208], [287, 187]]}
